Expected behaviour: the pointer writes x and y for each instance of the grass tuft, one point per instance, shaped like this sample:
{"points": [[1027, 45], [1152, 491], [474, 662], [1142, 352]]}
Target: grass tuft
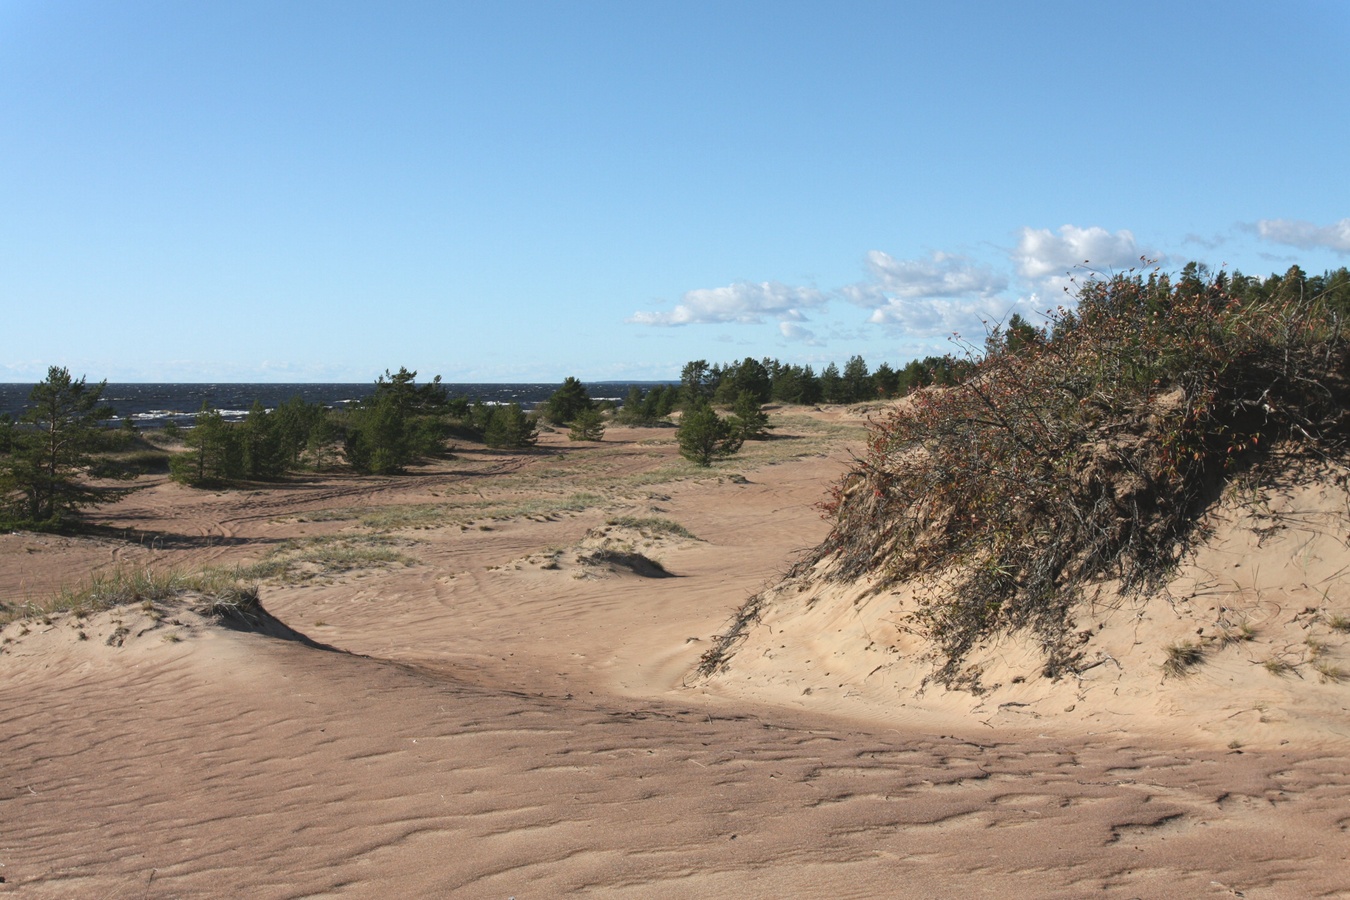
{"points": [[1330, 673], [1242, 634], [1182, 658], [220, 592], [1279, 667], [652, 526]]}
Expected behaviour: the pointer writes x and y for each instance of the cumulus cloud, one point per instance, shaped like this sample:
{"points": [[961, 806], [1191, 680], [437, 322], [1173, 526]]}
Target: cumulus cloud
{"points": [[1042, 254], [939, 275], [794, 332], [1298, 233], [743, 302], [932, 295], [924, 316]]}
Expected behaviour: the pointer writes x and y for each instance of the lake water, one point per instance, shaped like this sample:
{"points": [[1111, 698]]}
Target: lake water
{"points": [[153, 405]]}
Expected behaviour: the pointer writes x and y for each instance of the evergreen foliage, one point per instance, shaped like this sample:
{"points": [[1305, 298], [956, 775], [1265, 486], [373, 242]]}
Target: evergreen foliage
{"points": [[49, 446], [705, 436], [508, 428], [648, 407], [697, 383], [401, 423], [587, 425], [214, 454], [856, 382], [567, 402], [749, 420]]}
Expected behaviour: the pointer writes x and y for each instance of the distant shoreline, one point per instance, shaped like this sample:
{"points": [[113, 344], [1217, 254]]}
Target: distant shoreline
{"points": [[155, 404]]}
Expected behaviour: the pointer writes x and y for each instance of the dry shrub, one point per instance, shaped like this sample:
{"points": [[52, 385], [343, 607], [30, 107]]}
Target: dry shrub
{"points": [[1085, 453]]}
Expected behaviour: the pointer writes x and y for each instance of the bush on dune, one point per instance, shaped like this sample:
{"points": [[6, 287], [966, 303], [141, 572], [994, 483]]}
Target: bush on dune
{"points": [[1083, 452]]}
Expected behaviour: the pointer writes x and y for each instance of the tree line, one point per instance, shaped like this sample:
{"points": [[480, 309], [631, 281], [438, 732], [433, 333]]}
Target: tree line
{"points": [[400, 424], [48, 452]]}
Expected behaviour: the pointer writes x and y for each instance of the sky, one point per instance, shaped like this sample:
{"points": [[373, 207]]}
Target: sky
{"points": [[522, 191]]}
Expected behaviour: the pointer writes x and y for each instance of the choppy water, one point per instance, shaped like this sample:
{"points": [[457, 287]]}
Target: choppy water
{"points": [[153, 405]]}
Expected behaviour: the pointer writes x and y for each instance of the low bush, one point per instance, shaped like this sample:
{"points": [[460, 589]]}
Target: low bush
{"points": [[1087, 451]]}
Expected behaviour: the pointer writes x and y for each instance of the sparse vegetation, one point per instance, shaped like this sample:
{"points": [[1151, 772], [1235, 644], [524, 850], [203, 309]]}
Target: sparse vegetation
{"points": [[1182, 658], [1085, 451], [219, 591], [305, 559], [654, 526], [1278, 666], [1240, 634], [1316, 648], [1331, 673]]}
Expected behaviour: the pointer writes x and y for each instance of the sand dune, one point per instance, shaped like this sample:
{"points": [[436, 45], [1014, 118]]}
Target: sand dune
{"points": [[508, 712]]}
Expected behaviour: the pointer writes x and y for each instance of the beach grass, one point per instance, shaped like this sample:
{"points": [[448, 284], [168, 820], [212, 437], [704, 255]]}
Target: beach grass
{"points": [[220, 590], [575, 481]]}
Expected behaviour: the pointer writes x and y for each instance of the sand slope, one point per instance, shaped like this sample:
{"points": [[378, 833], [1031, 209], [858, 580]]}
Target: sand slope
{"points": [[493, 726]]}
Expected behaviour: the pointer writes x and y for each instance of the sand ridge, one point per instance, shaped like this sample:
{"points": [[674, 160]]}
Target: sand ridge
{"points": [[491, 727]]}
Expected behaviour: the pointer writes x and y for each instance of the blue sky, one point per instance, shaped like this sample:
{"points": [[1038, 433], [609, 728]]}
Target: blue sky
{"points": [[499, 191]]}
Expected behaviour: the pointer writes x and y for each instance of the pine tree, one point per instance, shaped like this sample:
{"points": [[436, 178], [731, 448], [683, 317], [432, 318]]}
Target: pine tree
{"points": [[588, 425], [567, 402], [510, 428], [750, 421], [705, 436], [48, 448], [215, 452]]}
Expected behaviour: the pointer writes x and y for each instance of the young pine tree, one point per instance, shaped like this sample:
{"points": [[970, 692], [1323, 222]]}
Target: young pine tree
{"points": [[587, 425], [748, 419], [705, 436], [50, 446], [510, 428]]}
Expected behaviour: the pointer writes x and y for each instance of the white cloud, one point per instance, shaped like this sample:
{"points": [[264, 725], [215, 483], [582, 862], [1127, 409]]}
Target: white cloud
{"points": [[930, 296], [940, 275], [921, 317], [1041, 254], [1298, 233], [794, 332], [742, 302]]}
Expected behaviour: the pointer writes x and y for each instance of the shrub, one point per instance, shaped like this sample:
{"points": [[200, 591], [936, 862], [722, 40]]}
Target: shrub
{"points": [[570, 400], [1085, 455], [750, 421], [705, 436], [509, 428], [588, 425]]}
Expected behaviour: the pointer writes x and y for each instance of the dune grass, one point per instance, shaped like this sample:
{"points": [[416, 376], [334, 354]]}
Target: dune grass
{"points": [[1182, 658], [301, 560], [579, 480], [219, 591], [1087, 454], [652, 526]]}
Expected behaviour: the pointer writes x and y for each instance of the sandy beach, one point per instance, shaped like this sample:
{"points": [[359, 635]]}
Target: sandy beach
{"points": [[496, 697]]}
